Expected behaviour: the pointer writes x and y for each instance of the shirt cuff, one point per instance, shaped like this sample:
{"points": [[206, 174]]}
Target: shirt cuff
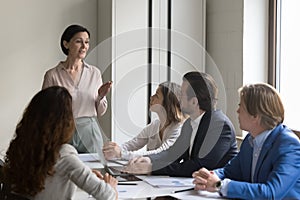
{"points": [[224, 188], [99, 98], [125, 154]]}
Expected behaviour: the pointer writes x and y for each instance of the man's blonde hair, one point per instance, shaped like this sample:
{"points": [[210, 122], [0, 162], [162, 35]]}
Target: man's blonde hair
{"points": [[263, 100]]}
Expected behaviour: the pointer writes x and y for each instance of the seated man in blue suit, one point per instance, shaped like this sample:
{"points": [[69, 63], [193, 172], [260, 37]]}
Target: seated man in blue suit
{"points": [[268, 164], [207, 138]]}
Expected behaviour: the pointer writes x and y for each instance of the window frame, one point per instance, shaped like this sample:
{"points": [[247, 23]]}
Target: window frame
{"points": [[274, 43]]}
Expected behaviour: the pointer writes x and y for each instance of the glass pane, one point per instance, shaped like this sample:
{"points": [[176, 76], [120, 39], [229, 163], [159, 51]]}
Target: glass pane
{"points": [[289, 61]]}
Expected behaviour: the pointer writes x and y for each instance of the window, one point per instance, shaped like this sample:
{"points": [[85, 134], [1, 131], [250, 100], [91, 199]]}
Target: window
{"points": [[288, 63]]}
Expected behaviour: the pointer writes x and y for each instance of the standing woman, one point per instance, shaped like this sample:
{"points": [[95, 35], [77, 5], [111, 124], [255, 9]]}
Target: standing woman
{"points": [[84, 83], [39, 164], [160, 134]]}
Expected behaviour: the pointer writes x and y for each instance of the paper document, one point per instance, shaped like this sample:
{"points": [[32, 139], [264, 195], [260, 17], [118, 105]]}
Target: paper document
{"points": [[92, 160], [197, 195], [165, 181], [88, 157]]}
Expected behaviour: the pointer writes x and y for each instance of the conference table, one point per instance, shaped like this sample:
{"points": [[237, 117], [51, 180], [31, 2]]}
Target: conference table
{"points": [[147, 187]]}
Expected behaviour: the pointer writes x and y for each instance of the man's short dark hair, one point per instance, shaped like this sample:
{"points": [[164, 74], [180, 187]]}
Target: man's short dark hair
{"points": [[203, 87]]}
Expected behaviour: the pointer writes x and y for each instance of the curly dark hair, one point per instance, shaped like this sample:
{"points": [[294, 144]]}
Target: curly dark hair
{"points": [[46, 125]]}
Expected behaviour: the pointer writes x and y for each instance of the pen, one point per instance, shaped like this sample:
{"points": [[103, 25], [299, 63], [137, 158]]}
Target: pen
{"points": [[189, 189], [127, 183]]}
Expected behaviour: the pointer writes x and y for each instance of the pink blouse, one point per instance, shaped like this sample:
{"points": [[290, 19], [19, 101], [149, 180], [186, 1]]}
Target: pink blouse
{"points": [[86, 101]]}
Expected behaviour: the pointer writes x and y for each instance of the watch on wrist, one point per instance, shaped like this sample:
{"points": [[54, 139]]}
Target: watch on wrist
{"points": [[218, 186]]}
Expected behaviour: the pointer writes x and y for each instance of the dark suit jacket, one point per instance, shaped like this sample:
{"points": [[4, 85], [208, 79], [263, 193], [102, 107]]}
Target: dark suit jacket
{"points": [[277, 172], [214, 145]]}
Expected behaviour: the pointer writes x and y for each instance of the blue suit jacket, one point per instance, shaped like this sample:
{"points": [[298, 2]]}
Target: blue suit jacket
{"points": [[214, 145], [277, 173]]}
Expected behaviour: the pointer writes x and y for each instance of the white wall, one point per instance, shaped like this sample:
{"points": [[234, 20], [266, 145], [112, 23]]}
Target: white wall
{"points": [[129, 71], [255, 41], [30, 35], [31, 31], [130, 52], [237, 43], [225, 46]]}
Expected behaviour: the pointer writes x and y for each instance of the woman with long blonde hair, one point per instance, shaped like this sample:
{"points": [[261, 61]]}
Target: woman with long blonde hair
{"points": [[161, 133]]}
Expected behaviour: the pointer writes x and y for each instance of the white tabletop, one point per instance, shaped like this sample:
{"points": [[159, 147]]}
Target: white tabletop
{"points": [[144, 190]]}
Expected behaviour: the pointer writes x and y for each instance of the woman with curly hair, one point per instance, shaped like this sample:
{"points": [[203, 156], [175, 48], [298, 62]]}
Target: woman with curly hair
{"points": [[161, 133], [40, 164]]}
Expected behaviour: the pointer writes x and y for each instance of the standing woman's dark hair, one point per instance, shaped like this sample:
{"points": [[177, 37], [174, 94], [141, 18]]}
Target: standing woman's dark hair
{"points": [[69, 33], [46, 125]]}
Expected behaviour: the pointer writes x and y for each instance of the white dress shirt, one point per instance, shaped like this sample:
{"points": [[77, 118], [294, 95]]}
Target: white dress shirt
{"points": [[195, 124]]}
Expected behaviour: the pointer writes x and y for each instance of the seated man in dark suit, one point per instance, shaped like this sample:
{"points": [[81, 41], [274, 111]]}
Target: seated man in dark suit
{"points": [[207, 138]]}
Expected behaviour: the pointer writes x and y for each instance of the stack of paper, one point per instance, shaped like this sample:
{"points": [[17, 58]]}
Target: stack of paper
{"points": [[166, 181], [92, 160], [89, 157]]}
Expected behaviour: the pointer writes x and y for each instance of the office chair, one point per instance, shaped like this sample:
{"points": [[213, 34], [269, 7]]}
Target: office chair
{"points": [[5, 192]]}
